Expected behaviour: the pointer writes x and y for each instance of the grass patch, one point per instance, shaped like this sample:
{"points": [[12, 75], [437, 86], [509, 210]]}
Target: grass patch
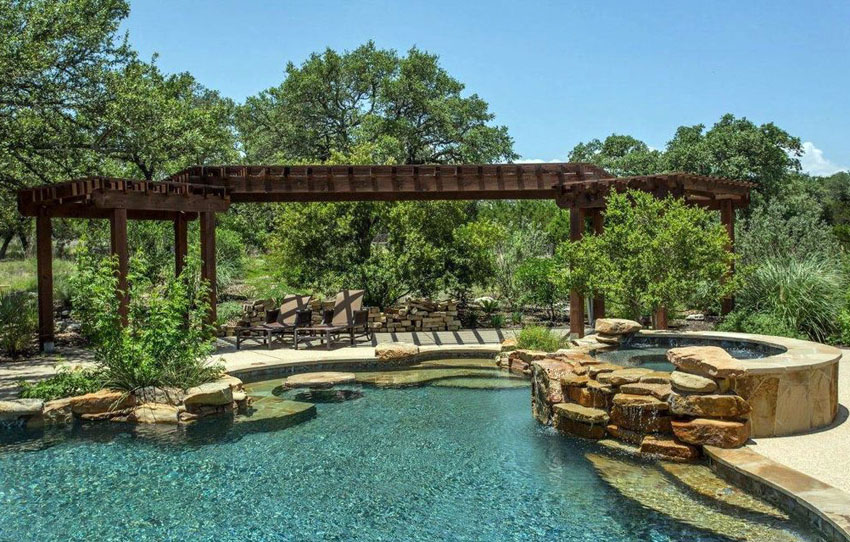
{"points": [[20, 276]]}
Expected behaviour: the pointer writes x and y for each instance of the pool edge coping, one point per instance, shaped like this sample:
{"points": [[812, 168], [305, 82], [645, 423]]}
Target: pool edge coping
{"points": [[825, 507]]}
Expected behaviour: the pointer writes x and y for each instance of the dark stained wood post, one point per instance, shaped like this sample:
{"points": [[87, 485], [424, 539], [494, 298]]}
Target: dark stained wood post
{"points": [[727, 217], [118, 238], [44, 257], [576, 299], [599, 300], [181, 242], [208, 257], [661, 318]]}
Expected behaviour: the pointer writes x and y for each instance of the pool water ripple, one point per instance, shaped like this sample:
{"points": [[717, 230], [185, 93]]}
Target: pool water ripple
{"points": [[424, 463]]}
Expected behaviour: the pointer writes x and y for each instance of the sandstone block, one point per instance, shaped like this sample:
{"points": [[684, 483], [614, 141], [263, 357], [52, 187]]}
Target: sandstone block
{"points": [[395, 351], [622, 376], [692, 383], [709, 406], [581, 413], [17, 408], [659, 391], [720, 433], [101, 401], [626, 435], [705, 360], [668, 448], [595, 370], [323, 379], [608, 339], [616, 326], [211, 393]]}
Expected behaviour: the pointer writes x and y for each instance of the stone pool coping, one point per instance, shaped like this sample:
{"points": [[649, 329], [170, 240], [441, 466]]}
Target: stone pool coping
{"points": [[361, 358], [825, 507], [798, 354]]}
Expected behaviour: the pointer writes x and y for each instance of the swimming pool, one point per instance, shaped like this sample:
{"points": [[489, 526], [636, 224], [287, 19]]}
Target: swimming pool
{"points": [[419, 463]]}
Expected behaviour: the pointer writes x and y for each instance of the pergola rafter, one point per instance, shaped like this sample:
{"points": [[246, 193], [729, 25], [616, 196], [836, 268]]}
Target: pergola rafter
{"points": [[202, 191]]}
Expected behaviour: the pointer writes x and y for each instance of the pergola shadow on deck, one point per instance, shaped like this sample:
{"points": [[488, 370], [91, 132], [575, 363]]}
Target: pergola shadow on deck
{"points": [[202, 191]]}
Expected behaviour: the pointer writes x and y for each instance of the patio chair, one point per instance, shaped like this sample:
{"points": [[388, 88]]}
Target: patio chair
{"points": [[294, 312], [347, 315]]}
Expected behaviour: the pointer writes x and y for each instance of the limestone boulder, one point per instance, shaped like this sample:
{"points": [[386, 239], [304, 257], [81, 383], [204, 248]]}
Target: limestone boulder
{"points": [[668, 448], [623, 376], [395, 351], [641, 413], [101, 401], [58, 412], [710, 361], [16, 409], [320, 380], [626, 435], [509, 344], [604, 338], [692, 383], [528, 356], [720, 433], [708, 406], [595, 370], [153, 394], [573, 419], [211, 393], [659, 391], [546, 388], [581, 413], [616, 326], [586, 397], [151, 413]]}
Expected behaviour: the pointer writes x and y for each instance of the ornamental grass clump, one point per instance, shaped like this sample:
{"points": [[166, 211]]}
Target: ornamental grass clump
{"points": [[167, 340], [804, 295], [18, 318], [541, 338]]}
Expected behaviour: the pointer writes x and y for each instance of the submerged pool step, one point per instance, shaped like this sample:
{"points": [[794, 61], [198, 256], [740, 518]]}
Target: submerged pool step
{"points": [[650, 487]]}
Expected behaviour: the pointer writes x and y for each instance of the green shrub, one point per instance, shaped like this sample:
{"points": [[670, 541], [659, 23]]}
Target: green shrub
{"points": [[841, 335], [805, 295], [541, 338], [759, 323], [538, 284], [65, 383], [516, 318], [167, 339], [497, 321], [229, 311], [18, 321]]}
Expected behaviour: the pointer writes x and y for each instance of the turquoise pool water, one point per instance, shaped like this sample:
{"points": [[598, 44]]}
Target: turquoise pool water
{"points": [[426, 463]]}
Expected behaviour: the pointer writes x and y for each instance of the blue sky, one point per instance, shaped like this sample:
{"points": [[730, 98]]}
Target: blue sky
{"points": [[556, 73]]}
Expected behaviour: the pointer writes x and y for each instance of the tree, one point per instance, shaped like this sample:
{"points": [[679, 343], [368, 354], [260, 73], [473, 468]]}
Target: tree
{"points": [[652, 253], [407, 107], [538, 282], [155, 124], [619, 155]]}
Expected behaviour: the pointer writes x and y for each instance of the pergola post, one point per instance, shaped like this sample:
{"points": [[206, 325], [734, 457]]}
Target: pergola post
{"points": [[118, 238], [598, 226], [181, 242], [207, 220], [44, 258], [727, 217], [576, 299], [661, 318]]}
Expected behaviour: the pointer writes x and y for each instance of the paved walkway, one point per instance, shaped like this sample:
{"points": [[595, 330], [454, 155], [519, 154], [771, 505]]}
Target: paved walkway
{"points": [[821, 454]]}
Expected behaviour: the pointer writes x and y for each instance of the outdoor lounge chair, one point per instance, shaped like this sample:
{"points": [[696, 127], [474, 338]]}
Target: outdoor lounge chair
{"points": [[294, 312], [346, 316]]}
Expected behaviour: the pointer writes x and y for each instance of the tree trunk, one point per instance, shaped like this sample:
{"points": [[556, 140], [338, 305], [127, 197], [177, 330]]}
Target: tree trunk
{"points": [[6, 240]]}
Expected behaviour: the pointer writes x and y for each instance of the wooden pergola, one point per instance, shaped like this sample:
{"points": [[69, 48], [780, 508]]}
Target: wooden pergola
{"points": [[202, 191]]}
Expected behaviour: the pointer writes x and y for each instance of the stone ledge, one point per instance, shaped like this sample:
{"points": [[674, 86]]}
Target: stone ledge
{"points": [[825, 507]]}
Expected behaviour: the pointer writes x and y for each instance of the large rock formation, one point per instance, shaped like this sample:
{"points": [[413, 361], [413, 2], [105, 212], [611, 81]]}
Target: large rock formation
{"points": [[395, 351], [710, 361]]}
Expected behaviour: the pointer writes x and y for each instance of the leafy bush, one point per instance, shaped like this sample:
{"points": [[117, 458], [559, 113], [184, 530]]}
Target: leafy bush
{"points": [[497, 321], [804, 295], [227, 312], [759, 323], [516, 318], [18, 321], [167, 339], [469, 318], [841, 335], [65, 383], [488, 305], [541, 338]]}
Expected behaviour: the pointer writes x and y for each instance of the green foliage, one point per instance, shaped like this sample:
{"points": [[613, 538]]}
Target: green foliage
{"points": [[228, 312], [760, 323], [18, 320], [516, 318], [65, 383], [806, 295], [488, 305], [541, 338], [619, 155], [841, 336], [406, 109], [652, 253], [538, 283], [167, 339], [497, 321], [20, 275]]}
